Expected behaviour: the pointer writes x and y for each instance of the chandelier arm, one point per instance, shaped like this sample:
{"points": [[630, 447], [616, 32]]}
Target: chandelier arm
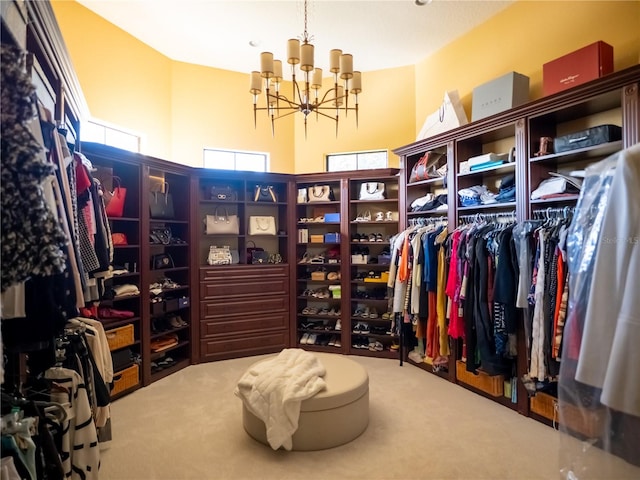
{"points": [[335, 119]]}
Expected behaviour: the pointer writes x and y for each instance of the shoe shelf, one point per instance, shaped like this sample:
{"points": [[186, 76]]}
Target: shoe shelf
{"points": [[177, 366], [155, 335], [109, 323], [491, 206]]}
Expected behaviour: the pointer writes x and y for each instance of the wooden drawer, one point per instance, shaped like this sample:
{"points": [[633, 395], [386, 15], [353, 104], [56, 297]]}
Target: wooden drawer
{"points": [[242, 272], [244, 287], [253, 305], [226, 325], [242, 346]]}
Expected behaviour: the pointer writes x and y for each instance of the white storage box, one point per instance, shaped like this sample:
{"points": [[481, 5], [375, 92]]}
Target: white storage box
{"points": [[499, 95]]}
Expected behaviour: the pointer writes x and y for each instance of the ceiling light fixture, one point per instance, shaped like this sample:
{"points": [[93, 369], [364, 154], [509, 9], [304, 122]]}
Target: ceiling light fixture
{"points": [[306, 96]]}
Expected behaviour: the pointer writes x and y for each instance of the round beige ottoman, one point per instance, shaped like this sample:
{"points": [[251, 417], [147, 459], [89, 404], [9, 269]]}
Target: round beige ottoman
{"points": [[332, 417]]}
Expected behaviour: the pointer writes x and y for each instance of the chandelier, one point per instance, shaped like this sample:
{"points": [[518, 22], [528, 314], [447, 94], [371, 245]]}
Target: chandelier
{"points": [[306, 97]]}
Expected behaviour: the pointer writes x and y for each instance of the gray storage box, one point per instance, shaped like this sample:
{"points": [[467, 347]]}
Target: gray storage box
{"points": [[499, 95]]}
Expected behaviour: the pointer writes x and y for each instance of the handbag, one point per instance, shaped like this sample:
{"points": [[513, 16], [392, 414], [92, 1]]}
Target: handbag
{"points": [[162, 260], [114, 201], [321, 193], [260, 257], [427, 167], [265, 193], [251, 250], [223, 193], [302, 195], [160, 236], [372, 191], [119, 239], [161, 203], [262, 225], [221, 224], [275, 258], [219, 255]]}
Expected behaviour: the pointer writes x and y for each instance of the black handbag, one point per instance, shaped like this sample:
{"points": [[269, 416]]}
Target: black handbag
{"points": [[252, 250], [259, 257], [265, 193], [223, 193], [161, 204], [162, 260]]}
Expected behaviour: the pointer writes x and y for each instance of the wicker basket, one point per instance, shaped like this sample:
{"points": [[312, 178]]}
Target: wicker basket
{"points": [[120, 337], [588, 422], [491, 384], [125, 379]]}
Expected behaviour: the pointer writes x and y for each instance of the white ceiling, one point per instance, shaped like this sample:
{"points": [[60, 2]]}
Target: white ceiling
{"points": [[216, 33]]}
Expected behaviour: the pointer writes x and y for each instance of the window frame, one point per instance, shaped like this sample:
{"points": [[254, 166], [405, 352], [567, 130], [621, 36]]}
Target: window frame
{"points": [[357, 153], [265, 155]]}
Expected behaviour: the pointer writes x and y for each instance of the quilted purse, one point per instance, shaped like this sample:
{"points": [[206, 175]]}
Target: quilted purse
{"points": [[260, 257]]}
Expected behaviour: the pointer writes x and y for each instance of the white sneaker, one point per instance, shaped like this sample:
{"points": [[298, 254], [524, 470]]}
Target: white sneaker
{"points": [[304, 338], [338, 325]]}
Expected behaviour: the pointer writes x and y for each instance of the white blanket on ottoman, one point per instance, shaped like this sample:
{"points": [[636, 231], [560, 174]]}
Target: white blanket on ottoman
{"points": [[274, 389]]}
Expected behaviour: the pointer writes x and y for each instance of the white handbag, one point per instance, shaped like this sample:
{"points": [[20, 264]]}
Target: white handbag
{"points": [[262, 225], [372, 191]]}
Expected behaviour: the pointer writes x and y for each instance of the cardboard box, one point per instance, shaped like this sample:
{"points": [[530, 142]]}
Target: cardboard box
{"points": [[319, 238], [332, 238], [500, 94], [578, 67]]}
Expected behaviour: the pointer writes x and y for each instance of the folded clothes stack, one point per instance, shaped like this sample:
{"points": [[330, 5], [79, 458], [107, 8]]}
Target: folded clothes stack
{"points": [[430, 202], [507, 192], [559, 185], [476, 195]]}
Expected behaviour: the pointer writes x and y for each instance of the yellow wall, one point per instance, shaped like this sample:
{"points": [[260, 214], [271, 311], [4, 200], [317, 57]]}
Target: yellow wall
{"points": [[522, 38], [213, 108], [386, 122], [182, 108], [124, 81]]}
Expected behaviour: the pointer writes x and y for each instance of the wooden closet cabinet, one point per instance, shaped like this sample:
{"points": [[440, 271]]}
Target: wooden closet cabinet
{"points": [[242, 306], [613, 99]]}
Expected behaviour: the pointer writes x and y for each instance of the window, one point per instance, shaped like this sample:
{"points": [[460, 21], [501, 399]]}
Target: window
{"points": [[337, 162], [236, 160], [113, 136]]}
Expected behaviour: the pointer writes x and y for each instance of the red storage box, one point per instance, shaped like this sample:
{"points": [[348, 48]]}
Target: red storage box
{"points": [[583, 65]]}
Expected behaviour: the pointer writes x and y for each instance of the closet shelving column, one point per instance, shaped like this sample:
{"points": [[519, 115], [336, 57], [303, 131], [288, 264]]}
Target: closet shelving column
{"points": [[373, 219], [320, 313], [415, 211], [508, 139], [126, 333], [600, 109], [243, 307], [167, 288]]}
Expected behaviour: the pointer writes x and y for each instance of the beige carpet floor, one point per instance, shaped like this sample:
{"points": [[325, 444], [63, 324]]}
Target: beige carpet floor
{"points": [[189, 426]]}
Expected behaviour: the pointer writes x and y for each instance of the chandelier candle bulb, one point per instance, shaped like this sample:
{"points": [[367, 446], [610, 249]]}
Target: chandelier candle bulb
{"points": [[306, 57], [346, 66], [356, 83], [317, 79], [266, 64], [256, 83], [334, 60], [293, 51], [277, 71]]}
